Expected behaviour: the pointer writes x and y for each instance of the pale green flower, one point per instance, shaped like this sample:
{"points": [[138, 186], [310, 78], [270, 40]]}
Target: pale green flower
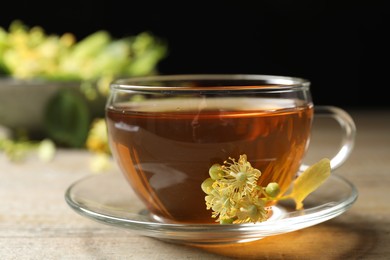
{"points": [[251, 209], [220, 203], [227, 188], [239, 176]]}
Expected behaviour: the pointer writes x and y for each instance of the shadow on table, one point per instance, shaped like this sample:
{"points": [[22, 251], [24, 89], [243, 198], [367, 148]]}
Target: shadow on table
{"points": [[330, 240]]}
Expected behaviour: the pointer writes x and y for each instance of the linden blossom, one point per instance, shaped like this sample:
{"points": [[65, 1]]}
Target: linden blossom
{"points": [[235, 197]]}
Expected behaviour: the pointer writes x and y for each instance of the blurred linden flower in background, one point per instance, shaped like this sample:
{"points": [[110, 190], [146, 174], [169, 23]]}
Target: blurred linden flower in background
{"points": [[71, 118], [30, 53], [97, 142]]}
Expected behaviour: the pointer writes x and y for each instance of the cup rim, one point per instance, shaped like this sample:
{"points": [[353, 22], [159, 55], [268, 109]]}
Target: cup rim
{"points": [[253, 82]]}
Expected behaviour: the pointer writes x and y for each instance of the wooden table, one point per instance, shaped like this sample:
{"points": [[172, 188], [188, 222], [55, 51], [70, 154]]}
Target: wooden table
{"points": [[36, 222]]}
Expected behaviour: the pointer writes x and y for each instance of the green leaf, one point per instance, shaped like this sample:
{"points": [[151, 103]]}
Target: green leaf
{"points": [[67, 118], [309, 181]]}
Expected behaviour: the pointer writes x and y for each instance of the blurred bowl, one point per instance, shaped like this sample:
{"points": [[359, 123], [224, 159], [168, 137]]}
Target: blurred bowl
{"points": [[57, 110], [23, 102]]}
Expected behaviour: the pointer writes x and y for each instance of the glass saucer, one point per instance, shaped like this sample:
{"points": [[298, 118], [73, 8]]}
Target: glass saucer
{"points": [[108, 199]]}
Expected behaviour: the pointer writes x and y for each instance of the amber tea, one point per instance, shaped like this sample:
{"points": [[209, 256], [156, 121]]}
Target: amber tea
{"points": [[165, 147]]}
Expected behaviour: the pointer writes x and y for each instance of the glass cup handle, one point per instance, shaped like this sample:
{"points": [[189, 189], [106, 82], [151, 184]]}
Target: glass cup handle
{"points": [[348, 129]]}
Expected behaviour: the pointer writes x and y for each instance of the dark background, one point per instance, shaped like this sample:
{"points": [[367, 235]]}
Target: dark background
{"points": [[341, 47]]}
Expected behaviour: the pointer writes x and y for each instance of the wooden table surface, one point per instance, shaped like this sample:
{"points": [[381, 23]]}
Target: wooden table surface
{"points": [[36, 222]]}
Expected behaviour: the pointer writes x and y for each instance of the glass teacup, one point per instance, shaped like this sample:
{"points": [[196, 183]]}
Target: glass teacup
{"points": [[165, 133]]}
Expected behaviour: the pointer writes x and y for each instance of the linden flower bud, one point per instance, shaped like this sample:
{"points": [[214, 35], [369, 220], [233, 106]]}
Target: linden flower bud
{"points": [[226, 221], [207, 185], [272, 189], [46, 150], [216, 171]]}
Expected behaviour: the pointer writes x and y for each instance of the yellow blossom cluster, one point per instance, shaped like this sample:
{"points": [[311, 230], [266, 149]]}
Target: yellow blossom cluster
{"points": [[233, 195]]}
